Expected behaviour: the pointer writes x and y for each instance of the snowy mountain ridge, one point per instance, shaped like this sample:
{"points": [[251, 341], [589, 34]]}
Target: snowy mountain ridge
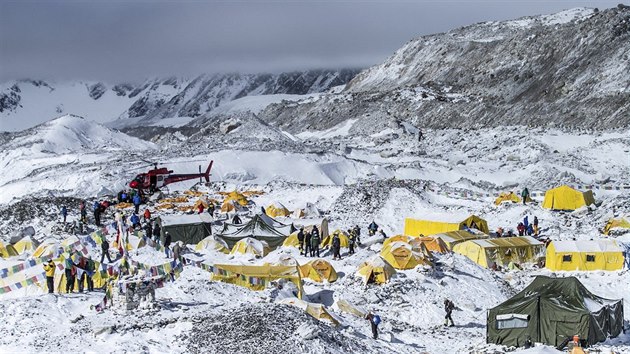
{"points": [[569, 69], [25, 103]]}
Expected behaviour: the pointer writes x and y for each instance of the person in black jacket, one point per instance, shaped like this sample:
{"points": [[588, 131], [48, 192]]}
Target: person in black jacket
{"points": [[307, 244], [300, 237], [448, 307], [167, 243], [336, 246], [105, 250]]}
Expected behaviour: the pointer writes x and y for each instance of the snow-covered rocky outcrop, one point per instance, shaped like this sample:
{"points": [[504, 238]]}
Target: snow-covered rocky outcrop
{"points": [[570, 69]]}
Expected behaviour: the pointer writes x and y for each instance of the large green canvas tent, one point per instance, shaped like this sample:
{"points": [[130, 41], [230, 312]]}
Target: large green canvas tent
{"points": [[260, 227], [189, 229], [550, 310]]}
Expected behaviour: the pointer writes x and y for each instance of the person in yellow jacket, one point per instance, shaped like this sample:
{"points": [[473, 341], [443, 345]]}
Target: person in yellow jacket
{"points": [[50, 275]]}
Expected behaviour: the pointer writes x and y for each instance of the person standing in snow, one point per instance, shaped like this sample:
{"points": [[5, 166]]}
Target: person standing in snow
{"points": [[70, 272], [135, 220], [336, 246], [97, 213], [307, 244], [449, 306], [89, 272], [64, 213], [521, 229], [352, 237], [525, 194], [177, 251], [526, 221], [535, 226], [315, 242], [157, 232], [167, 243], [382, 233], [375, 320], [50, 275], [105, 249], [148, 230], [300, 237], [147, 215], [357, 232], [136, 202], [372, 228]]}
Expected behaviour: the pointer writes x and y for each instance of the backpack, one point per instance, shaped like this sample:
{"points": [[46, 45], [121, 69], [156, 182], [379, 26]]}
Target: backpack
{"points": [[376, 319]]}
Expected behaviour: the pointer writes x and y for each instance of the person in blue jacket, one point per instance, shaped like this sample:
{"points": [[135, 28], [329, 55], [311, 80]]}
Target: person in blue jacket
{"points": [[136, 202]]}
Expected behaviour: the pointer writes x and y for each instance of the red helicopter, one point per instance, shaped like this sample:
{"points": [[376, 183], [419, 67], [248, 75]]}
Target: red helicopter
{"points": [[160, 177]]}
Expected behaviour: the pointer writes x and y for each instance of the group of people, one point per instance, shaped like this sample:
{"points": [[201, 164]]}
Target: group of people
{"points": [[524, 228], [79, 273], [309, 241]]}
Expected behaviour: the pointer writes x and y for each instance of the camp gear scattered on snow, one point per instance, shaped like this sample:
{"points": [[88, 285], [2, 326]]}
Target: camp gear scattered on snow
{"points": [[616, 224], [549, 310]]}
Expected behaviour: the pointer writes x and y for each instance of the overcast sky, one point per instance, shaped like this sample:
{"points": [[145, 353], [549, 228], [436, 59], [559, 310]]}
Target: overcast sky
{"points": [[131, 40]]}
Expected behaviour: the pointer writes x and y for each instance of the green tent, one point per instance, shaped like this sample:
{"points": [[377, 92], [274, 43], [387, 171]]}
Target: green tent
{"points": [[189, 229], [260, 227], [550, 310]]}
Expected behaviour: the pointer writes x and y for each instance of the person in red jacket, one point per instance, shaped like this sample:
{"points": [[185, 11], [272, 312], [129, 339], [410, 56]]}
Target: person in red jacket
{"points": [[147, 215], [521, 229]]}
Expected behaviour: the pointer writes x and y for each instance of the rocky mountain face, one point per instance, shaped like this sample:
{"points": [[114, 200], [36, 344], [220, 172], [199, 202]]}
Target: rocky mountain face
{"points": [[26, 103], [570, 69]]}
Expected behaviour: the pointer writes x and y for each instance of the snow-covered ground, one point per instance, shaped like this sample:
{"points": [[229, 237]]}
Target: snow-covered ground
{"points": [[352, 180]]}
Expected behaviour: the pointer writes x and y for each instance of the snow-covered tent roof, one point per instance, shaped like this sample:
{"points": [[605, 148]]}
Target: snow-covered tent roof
{"points": [[587, 246], [185, 219], [260, 227]]}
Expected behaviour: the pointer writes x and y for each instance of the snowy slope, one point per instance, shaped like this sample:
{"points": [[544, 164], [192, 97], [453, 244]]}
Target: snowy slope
{"points": [[171, 100]]}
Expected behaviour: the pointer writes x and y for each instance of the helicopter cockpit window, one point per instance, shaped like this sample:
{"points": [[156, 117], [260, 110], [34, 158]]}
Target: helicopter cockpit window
{"points": [[160, 178], [139, 178]]}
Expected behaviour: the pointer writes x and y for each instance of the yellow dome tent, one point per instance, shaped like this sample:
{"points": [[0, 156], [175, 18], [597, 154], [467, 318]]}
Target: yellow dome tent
{"points": [[376, 270], [237, 197], [135, 242], [616, 224], [417, 227], [397, 238], [25, 244], [291, 241], [212, 243], [7, 251], [401, 256], [276, 209], [584, 255], [567, 198], [228, 206], [343, 238], [319, 270], [48, 247], [252, 246]]}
